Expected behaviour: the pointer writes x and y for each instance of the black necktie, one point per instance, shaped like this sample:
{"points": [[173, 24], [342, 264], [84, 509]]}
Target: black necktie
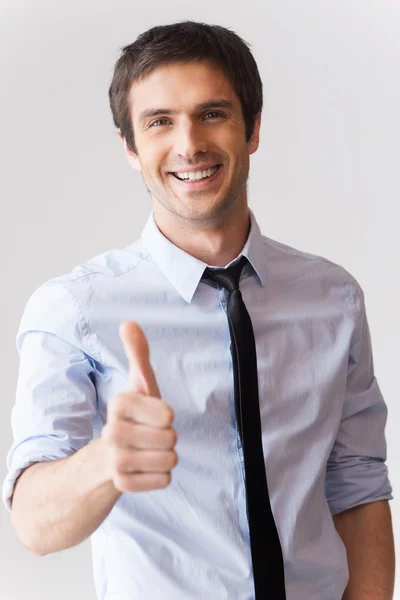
{"points": [[266, 552]]}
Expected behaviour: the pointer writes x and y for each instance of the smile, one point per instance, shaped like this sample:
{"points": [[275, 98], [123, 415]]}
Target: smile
{"points": [[198, 181], [196, 175]]}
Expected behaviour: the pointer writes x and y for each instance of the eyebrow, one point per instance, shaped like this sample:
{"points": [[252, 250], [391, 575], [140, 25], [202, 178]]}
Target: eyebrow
{"points": [[154, 112]]}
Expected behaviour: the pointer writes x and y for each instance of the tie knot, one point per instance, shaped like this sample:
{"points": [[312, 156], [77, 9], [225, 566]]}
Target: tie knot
{"points": [[229, 278]]}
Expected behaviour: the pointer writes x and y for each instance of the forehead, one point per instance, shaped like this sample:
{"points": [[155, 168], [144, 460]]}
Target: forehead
{"points": [[181, 86]]}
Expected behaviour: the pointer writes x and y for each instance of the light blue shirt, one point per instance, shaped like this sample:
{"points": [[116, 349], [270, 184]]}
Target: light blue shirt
{"points": [[322, 413]]}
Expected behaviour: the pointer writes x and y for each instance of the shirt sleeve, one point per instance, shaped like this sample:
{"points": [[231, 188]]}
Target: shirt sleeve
{"points": [[55, 396], [356, 472]]}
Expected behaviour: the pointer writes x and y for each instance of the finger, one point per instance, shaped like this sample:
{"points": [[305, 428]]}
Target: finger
{"points": [[143, 461], [141, 482], [140, 437], [141, 375], [139, 408]]}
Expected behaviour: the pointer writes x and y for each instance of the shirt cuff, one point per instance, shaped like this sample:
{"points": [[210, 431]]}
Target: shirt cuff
{"points": [[39, 449]]}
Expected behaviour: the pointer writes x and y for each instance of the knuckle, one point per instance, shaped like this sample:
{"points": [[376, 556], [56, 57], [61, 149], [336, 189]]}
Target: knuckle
{"points": [[165, 480], [174, 459], [173, 437], [168, 414], [121, 462], [121, 405], [117, 432]]}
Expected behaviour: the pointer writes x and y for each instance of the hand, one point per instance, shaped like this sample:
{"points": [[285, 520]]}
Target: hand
{"points": [[138, 435]]}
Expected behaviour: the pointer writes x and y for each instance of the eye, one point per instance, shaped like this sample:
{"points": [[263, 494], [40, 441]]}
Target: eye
{"points": [[158, 122], [215, 114]]}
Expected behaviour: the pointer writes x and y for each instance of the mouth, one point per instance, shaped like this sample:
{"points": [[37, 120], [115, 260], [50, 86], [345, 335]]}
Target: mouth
{"points": [[198, 179]]}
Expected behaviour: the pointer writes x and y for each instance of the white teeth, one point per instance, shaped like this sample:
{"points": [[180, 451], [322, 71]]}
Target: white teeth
{"points": [[196, 175]]}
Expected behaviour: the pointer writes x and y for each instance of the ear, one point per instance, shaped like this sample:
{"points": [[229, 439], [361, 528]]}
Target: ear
{"points": [[131, 156], [255, 138]]}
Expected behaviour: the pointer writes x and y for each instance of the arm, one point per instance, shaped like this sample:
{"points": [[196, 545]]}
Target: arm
{"points": [[366, 531], [357, 486], [56, 473], [58, 504]]}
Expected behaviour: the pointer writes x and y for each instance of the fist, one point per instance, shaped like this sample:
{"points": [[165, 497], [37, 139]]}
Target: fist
{"points": [[138, 435]]}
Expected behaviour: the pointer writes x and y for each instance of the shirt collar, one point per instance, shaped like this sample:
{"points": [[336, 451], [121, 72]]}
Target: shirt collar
{"points": [[183, 270]]}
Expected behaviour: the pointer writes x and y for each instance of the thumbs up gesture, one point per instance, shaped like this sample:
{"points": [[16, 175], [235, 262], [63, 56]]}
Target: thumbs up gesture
{"points": [[138, 435]]}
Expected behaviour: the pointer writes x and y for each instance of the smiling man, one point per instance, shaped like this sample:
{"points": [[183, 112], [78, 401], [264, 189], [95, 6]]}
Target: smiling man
{"points": [[192, 146], [260, 356]]}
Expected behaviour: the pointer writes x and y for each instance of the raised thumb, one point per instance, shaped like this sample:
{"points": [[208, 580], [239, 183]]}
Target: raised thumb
{"points": [[141, 375]]}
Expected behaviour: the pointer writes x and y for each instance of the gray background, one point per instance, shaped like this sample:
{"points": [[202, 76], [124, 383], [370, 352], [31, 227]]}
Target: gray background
{"points": [[325, 178]]}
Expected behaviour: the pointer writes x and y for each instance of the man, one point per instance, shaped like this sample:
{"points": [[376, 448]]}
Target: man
{"points": [[186, 100]]}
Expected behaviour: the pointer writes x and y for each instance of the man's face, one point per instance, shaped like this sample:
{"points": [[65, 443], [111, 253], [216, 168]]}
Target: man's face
{"points": [[188, 122]]}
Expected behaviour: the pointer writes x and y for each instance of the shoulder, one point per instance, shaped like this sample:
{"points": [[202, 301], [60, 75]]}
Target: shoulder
{"points": [[95, 272], [106, 265], [60, 305], [314, 271]]}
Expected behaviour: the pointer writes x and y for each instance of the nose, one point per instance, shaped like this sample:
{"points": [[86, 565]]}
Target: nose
{"points": [[190, 140]]}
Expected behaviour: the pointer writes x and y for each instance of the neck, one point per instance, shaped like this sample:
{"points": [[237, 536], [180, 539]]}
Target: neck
{"points": [[214, 241]]}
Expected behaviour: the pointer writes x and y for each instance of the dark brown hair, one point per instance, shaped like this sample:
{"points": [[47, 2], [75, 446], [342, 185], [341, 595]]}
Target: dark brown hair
{"points": [[183, 42]]}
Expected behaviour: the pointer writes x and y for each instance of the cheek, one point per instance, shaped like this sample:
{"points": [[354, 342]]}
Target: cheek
{"points": [[231, 142], [151, 156], [152, 164]]}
